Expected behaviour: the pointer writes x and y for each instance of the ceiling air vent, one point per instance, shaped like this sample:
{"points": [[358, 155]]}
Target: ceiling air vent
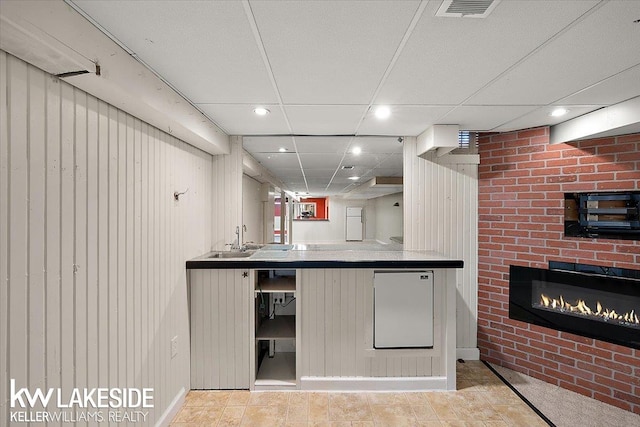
{"points": [[466, 8]]}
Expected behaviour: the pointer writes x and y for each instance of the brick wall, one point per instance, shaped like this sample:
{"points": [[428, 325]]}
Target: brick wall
{"points": [[521, 184]]}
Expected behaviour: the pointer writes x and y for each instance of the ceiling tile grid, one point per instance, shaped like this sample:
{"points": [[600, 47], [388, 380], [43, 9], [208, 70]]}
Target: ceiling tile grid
{"points": [[322, 67]]}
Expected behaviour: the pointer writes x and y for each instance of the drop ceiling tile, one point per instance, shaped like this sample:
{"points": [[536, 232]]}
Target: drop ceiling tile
{"points": [[364, 159], [405, 120], [378, 144], [324, 119], [575, 60], [331, 52], [289, 174], [267, 144], [322, 144], [612, 90], [485, 117], [388, 172], [320, 161], [186, 42], [446, 59], [393, 161], [274, 161], [318, 173], [241, 120], [540, 117]]}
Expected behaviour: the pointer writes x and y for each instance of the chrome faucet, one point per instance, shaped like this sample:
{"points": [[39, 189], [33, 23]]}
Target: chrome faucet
{"points": [[235, 246]]}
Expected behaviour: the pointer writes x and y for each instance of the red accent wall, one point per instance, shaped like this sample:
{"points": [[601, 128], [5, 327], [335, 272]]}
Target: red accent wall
{"points": [[521, 215]]}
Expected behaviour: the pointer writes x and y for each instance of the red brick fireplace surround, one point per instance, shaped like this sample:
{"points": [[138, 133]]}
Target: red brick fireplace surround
{"points": [[522, 181]]}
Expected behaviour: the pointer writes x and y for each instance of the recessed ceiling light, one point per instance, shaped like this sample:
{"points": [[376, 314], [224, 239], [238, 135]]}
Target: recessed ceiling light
{"points": [[559, 112], [356, 150], [354, 178], [282, 150], [261, 111], [383, 112]]}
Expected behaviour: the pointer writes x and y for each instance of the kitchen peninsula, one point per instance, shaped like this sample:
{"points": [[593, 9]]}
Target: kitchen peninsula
{"points": [[323, 317]]}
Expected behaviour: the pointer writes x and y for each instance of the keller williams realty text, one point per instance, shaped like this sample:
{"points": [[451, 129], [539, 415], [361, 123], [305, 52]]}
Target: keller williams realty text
{"points": [[81, 404]]}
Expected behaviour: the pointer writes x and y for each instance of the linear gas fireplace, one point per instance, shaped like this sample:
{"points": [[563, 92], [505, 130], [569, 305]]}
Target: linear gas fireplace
{"points": [[596, 306]]}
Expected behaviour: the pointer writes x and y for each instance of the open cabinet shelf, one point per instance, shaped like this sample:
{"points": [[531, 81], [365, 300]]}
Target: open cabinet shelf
{"points": [[279, 370], [277, 284], [279, 328], [275, 339]]}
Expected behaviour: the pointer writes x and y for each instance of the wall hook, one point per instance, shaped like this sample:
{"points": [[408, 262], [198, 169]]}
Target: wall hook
{"points": [[177, 195]]}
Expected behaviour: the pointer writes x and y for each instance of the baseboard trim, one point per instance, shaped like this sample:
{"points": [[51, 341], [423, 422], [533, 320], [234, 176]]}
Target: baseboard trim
{"points": [[373, 383], [468, 353], [172, 410]]}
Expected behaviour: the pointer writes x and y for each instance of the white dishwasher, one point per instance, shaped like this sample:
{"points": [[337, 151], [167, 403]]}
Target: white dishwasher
{"points": [[403, 309]]}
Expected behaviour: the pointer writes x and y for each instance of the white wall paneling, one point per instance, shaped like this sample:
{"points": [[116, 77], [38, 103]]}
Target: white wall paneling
{"points": [[252, 207], [226, 212], [337, 329], [441, 214], [92, 243], [388, 218], [220, 303]]}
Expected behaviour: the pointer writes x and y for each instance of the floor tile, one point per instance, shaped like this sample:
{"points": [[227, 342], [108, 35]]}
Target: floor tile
{"points": [[239, 398], [393, 416], [481, 400], [387, 399], [232, 416]]}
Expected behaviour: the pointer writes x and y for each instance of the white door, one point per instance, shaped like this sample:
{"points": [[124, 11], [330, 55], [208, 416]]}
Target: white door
{"points": [[354, 224]]}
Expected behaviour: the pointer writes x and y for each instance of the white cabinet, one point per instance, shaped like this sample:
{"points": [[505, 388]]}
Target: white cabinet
{"points": [[219, 306], [403, 309]]}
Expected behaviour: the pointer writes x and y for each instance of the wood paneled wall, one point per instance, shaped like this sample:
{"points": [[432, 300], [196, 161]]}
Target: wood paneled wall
{"points": [[441, 214], [226, 212], [337, 329], [220, 301], [92, 243]]}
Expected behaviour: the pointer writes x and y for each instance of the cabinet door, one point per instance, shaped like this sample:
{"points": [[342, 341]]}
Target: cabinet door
{"points": [[219, 313]]}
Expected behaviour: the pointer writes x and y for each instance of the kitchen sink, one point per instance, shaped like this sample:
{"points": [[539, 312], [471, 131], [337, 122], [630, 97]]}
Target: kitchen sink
{"points": [[230, 254]]}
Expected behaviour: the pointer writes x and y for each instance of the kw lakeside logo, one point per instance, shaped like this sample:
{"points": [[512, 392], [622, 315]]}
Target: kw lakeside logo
{"points": [[81, 404]]}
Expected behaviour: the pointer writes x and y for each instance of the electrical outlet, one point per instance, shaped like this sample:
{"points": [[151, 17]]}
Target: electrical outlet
{"points": [[174, 346], [278, 298]]}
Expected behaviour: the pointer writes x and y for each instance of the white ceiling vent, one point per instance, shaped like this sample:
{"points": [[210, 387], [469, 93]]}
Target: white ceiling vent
{"points": [[466, 8]]}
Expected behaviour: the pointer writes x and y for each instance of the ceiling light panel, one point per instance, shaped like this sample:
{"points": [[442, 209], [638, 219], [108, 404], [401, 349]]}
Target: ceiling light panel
{"points": [[437, 65], [321, 52], [171, 37]]}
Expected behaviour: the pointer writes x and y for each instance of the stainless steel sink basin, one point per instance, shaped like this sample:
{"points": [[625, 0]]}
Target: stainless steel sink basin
{"points": [[230, 254]]}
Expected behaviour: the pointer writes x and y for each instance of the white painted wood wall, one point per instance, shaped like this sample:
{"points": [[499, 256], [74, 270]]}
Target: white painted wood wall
{"points": [[226, 212], [92, 243], [441, 214], [337, 329], [220, 329]]}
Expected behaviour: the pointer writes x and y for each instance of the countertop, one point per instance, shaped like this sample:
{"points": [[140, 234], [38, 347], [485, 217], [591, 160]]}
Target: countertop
{"points": [[347, 255]]}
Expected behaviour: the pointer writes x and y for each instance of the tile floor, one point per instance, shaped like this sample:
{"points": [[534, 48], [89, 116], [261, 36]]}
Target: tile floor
{"points": [[481, 400]]}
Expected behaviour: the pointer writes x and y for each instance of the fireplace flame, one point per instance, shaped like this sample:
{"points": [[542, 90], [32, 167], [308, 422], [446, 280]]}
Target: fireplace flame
{"points": [[580, 307]]}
